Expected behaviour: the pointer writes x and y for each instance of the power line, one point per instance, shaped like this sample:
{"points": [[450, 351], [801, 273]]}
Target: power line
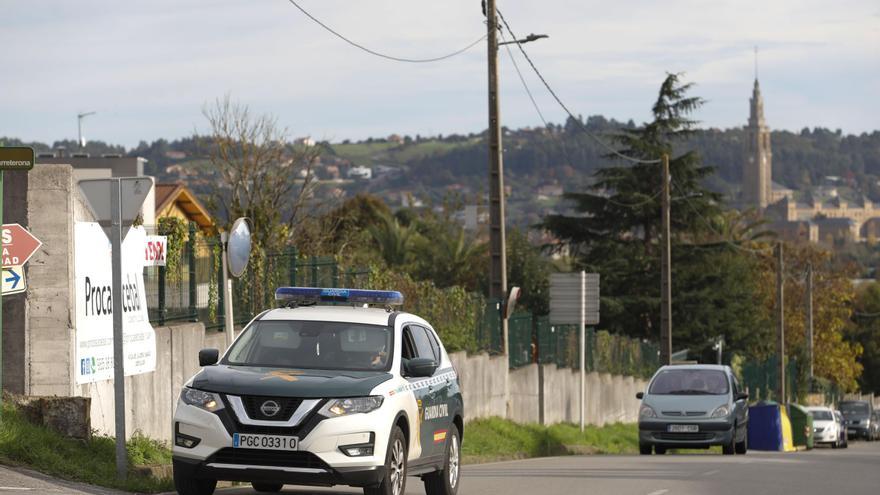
{"points": [[383, 55], [561, 141], [565, 108]]}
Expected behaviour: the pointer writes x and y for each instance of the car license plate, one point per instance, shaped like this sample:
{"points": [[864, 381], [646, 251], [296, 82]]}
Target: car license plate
{"points": [[683, 428], [267, 442]]}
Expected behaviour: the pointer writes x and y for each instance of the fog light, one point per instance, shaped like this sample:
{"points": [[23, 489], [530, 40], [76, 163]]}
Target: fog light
{"points": [[358, 451], [182, 440]]}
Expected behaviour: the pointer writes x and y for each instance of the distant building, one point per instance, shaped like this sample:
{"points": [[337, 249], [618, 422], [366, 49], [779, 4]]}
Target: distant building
{"points": [[359, 172], [176, 200], [307, 141], [817, 215]]}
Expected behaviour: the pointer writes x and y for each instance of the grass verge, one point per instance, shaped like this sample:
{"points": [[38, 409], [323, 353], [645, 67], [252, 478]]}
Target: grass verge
{"points": [[497, 439], [89, 461]]}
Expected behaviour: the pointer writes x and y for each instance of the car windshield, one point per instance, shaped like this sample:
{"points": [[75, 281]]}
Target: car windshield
{"points": [[313, 345], [822, 415], [689, 382], [854, 408]]}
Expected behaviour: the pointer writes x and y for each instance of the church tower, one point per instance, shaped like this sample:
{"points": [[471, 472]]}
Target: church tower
{"points": [[757, 171]]}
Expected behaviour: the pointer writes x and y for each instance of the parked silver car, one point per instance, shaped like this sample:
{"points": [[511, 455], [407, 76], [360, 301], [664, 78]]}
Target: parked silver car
{"points": [[693, 406]]}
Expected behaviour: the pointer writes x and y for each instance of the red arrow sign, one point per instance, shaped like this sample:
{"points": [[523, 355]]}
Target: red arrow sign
{"points": [[18, 245]]}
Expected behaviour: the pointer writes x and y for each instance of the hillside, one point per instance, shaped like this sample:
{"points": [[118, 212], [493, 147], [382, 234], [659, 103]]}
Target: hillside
{"points": [[540, 163]]}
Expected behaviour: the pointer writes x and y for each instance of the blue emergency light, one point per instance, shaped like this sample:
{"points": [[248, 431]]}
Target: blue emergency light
{"points": [[314, 295]]}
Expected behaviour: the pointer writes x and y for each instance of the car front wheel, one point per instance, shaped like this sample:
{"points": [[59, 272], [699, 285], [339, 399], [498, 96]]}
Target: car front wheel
{"points": [[267, 487], [186, 485], [394, 482], [445, 481], [743, 447]]}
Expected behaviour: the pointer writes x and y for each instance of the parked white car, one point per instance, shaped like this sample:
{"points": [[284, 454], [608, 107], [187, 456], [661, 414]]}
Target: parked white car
{"points": [[826, 429]]}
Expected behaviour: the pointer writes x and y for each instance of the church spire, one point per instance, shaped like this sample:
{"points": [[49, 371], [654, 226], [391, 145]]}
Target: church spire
{"points": [[757, 171]]}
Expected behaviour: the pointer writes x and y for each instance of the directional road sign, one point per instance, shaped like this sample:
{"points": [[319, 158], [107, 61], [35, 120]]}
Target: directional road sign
{"points": [[18, 245], [13, 280], [16, 158]]}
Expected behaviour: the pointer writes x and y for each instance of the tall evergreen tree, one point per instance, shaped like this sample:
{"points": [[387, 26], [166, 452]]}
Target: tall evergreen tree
{"points": [[615, 225]]}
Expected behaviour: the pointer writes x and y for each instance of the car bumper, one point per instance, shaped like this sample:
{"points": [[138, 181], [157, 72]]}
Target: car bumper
{"points": [[319, 459], [315, 476], [857, 432], [826, 437], [710, 433]]}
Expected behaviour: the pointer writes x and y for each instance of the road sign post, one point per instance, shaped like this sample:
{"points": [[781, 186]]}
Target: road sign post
{"points": [[574, 300], [21, 159], [118, 200]]}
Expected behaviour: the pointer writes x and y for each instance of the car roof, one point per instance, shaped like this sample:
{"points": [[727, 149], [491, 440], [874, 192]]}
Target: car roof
{"points": [[716, 367], [819, 408], [348, 314]]}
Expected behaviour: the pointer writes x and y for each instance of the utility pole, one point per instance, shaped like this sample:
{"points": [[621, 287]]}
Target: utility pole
{"points": [[780, 322], [497, 241], [665, 272], [809, 307]]}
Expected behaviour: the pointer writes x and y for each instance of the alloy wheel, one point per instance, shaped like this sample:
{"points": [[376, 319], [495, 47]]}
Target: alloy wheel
{"points": [[398, 467], [453, 461]]}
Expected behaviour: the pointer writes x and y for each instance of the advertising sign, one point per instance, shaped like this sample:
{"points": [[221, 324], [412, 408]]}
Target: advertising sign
{"points": [[155, 248], [94, 305], [18, 245]]}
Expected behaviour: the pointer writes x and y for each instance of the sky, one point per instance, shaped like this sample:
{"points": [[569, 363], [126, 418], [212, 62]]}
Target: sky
{"points": [[148, 68]]}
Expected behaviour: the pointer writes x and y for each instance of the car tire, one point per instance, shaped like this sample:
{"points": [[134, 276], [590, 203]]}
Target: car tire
{"points": [[445, 481], [186, 485], [268, 487], [645, 449], [742, 447], [659, 449], [394, 481], [730, 448]]}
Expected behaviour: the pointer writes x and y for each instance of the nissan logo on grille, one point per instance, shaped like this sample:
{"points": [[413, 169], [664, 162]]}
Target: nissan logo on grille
{"points": [[270, 408]]}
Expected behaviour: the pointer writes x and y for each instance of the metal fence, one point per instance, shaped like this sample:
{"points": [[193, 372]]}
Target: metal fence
{"points": [[761, 380], [191, 289], [534, 340]]}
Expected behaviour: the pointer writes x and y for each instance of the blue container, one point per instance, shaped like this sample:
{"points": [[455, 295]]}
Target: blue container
{"points": [[765, 427]]}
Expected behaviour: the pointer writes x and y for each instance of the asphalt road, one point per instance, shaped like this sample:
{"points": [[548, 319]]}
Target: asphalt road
{"points": [[822, 471]]}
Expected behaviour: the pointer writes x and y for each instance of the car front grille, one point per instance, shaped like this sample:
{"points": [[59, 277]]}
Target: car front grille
{"points": [[683, 437], [273, 458], [253, 405]]}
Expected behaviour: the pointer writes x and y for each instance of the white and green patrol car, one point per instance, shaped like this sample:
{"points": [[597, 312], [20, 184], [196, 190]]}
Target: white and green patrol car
{"points": [[316, 394]]}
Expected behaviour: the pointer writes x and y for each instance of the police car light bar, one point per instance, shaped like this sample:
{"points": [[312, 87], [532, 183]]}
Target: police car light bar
{"points": [[312, 295]]}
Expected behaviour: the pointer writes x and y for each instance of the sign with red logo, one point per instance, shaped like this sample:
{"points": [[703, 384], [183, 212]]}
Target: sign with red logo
{"points": [[18, 245], [155, 249]]}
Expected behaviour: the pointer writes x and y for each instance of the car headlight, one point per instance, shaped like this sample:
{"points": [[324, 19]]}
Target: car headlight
{"points": [[209, 401], [721, 412], [353, 405], [647, 412]]}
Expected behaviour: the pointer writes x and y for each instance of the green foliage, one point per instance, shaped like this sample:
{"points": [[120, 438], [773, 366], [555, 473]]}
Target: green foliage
{"points": [[393, 241], [528, 269], [867, 333], [177, 231], [91, 461], [452, 311], [495, 439]]}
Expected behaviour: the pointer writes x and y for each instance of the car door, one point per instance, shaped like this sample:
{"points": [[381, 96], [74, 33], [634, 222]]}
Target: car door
{"points": [[426, 390]]}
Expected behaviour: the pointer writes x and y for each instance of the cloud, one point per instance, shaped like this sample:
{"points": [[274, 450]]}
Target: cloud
{"points": [[148, 67]]}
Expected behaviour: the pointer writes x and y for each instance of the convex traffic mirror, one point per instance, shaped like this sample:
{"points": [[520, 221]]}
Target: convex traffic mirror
{"points": [[238, 247]]}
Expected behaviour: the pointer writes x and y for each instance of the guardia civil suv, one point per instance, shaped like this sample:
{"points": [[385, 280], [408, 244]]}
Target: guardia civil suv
{"points": [[318, 394]]}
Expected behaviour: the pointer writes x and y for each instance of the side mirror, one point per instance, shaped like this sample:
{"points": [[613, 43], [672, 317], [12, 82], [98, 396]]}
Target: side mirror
{"points": [[640, 395], [420, 367], [742, 396], [208, 357]]}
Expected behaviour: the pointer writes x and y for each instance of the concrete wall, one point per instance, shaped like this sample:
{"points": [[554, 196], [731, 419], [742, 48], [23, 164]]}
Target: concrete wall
{"points": [[150, 398], [544, 394]]}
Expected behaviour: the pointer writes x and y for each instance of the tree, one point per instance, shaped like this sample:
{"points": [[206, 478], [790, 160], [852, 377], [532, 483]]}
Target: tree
{"points": [[394, 241], [867, 334], [616, 222], [258, 174]]}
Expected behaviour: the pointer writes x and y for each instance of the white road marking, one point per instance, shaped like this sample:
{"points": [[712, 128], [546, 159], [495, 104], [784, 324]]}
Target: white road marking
{"points": [[659, 492], [710, 473]]}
